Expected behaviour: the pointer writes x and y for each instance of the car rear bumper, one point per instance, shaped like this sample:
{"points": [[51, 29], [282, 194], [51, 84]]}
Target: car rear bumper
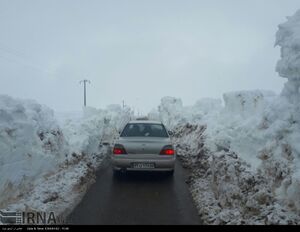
{"points": [[125, 163]]}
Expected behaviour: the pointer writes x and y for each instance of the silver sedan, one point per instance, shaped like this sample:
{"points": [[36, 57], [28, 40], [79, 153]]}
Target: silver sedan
{"points": [[144, 146]]}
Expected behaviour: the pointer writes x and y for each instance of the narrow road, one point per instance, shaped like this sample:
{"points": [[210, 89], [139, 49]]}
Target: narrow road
{"points": [[136, 198]]}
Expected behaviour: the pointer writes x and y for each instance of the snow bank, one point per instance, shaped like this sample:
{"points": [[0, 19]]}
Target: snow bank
{"points": [[262, 130], [288, 38], [285, 114], [88, 132], [61, 191], [234, 126], [247, 103], [172, 112], [238, 126], [224, 187], [47, 165], [31, 144]]}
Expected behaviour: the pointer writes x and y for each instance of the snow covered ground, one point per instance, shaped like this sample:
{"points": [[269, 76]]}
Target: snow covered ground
{"points": [[48, 160], [245, 153]]}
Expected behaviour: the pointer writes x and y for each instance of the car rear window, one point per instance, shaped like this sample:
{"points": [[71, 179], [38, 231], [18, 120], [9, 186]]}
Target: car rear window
{"points": [[144, 130]]}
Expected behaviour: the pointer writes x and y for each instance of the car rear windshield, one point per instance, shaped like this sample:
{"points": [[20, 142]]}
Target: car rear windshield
{"points": [[144, 130]]}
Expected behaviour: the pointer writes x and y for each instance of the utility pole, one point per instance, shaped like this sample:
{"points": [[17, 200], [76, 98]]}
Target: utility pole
{"points": [[84, 89]]}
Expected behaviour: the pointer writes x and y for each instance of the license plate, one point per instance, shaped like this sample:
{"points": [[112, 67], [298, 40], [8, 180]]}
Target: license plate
{"points": [[143, 165]]}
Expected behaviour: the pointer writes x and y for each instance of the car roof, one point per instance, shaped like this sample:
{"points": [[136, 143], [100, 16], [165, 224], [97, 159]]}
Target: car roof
{"points": [[145, 122]]}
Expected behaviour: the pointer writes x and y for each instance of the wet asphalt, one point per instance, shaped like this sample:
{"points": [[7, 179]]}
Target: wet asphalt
{"points": [[136, 198]]}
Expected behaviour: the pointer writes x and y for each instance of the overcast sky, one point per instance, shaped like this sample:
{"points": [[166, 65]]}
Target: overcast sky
{"points": [[138, 50]]}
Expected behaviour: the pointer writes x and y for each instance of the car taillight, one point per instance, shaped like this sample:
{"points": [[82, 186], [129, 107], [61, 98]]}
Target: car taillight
{"points": [[167, 150], [119, 150]]}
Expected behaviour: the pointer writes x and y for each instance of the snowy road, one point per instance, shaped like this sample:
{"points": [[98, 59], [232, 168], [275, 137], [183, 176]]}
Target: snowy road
{"points": [[136, 199]]}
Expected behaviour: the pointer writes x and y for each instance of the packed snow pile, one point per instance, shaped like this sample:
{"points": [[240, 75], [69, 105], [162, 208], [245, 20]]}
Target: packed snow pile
{"points": [[172, 112], [31, 144], [286, 113], [258, 131], [226, 190], [239, 125], [95, 127], [48, 164], [247, 103], [288, 38], [230, 127]]}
